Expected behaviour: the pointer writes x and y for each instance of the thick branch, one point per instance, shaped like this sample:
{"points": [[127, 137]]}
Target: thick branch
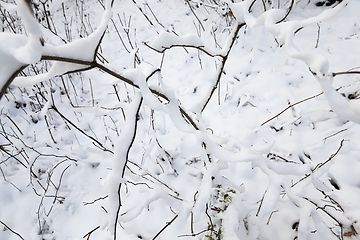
{"points": [[118, 76], [89, 65]]}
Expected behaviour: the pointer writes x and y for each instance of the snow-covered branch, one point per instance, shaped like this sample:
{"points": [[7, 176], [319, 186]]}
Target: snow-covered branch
{"points": [[110, 128]]}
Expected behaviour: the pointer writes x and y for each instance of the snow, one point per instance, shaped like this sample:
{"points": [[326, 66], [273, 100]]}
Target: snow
{"points": [[18, 50], [84, 48], [274, 154], [344, 108]]}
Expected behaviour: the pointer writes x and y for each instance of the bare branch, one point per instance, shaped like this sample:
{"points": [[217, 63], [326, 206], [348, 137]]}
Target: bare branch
{"points": [[288, 12], [291, 106], [89, 233], [343, 73], [239, 26], [10, 79], [7, 227], [332, 156], [167, 224]]}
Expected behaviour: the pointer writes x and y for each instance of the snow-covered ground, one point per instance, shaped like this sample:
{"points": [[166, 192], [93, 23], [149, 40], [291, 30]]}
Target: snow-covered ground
{"points": [[202, 119]]}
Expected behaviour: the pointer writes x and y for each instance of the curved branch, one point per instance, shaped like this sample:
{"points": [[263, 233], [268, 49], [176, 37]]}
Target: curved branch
{"points": [[288, 12], [9, 81]]}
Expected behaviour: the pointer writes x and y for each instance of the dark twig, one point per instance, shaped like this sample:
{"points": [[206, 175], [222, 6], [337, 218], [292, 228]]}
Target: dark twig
{"points": [[10, 79], [147, 18], [200, 48], [48, 127], [321, 164], [343, 73], [267, 223], [87, 65], [100, 198], [324, 210], [14, 124], [146, 4], [210, 220], [11, 230], [12, 156], [128, 81], [331, 157], [290, 106], [252, 4], [124, 167], [335, 134], [288, 12], [318, 36], [89, 233], [261, 202], [192, 10], [53, 107], [167, 224], [58, 187], [194, 234], [224, 59]]}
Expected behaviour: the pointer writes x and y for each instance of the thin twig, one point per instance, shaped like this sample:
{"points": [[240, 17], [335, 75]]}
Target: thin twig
{"points": [[53, 107], [343, 73], [48, 127], [11, 230], [167, 224], [10, 79], [187, 1], [100, 198], [89, 233], [239, 26], [335, 134], [290, 106], [321, 164], [318, 36], [125, 165], [261, 202], [18, 128], [331, 157], [271, 216], [288, 12], [195, 234], [200, 48]]}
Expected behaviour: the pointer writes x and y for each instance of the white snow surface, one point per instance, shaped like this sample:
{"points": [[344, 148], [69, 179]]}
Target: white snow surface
{"points": [[273, 155]]}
